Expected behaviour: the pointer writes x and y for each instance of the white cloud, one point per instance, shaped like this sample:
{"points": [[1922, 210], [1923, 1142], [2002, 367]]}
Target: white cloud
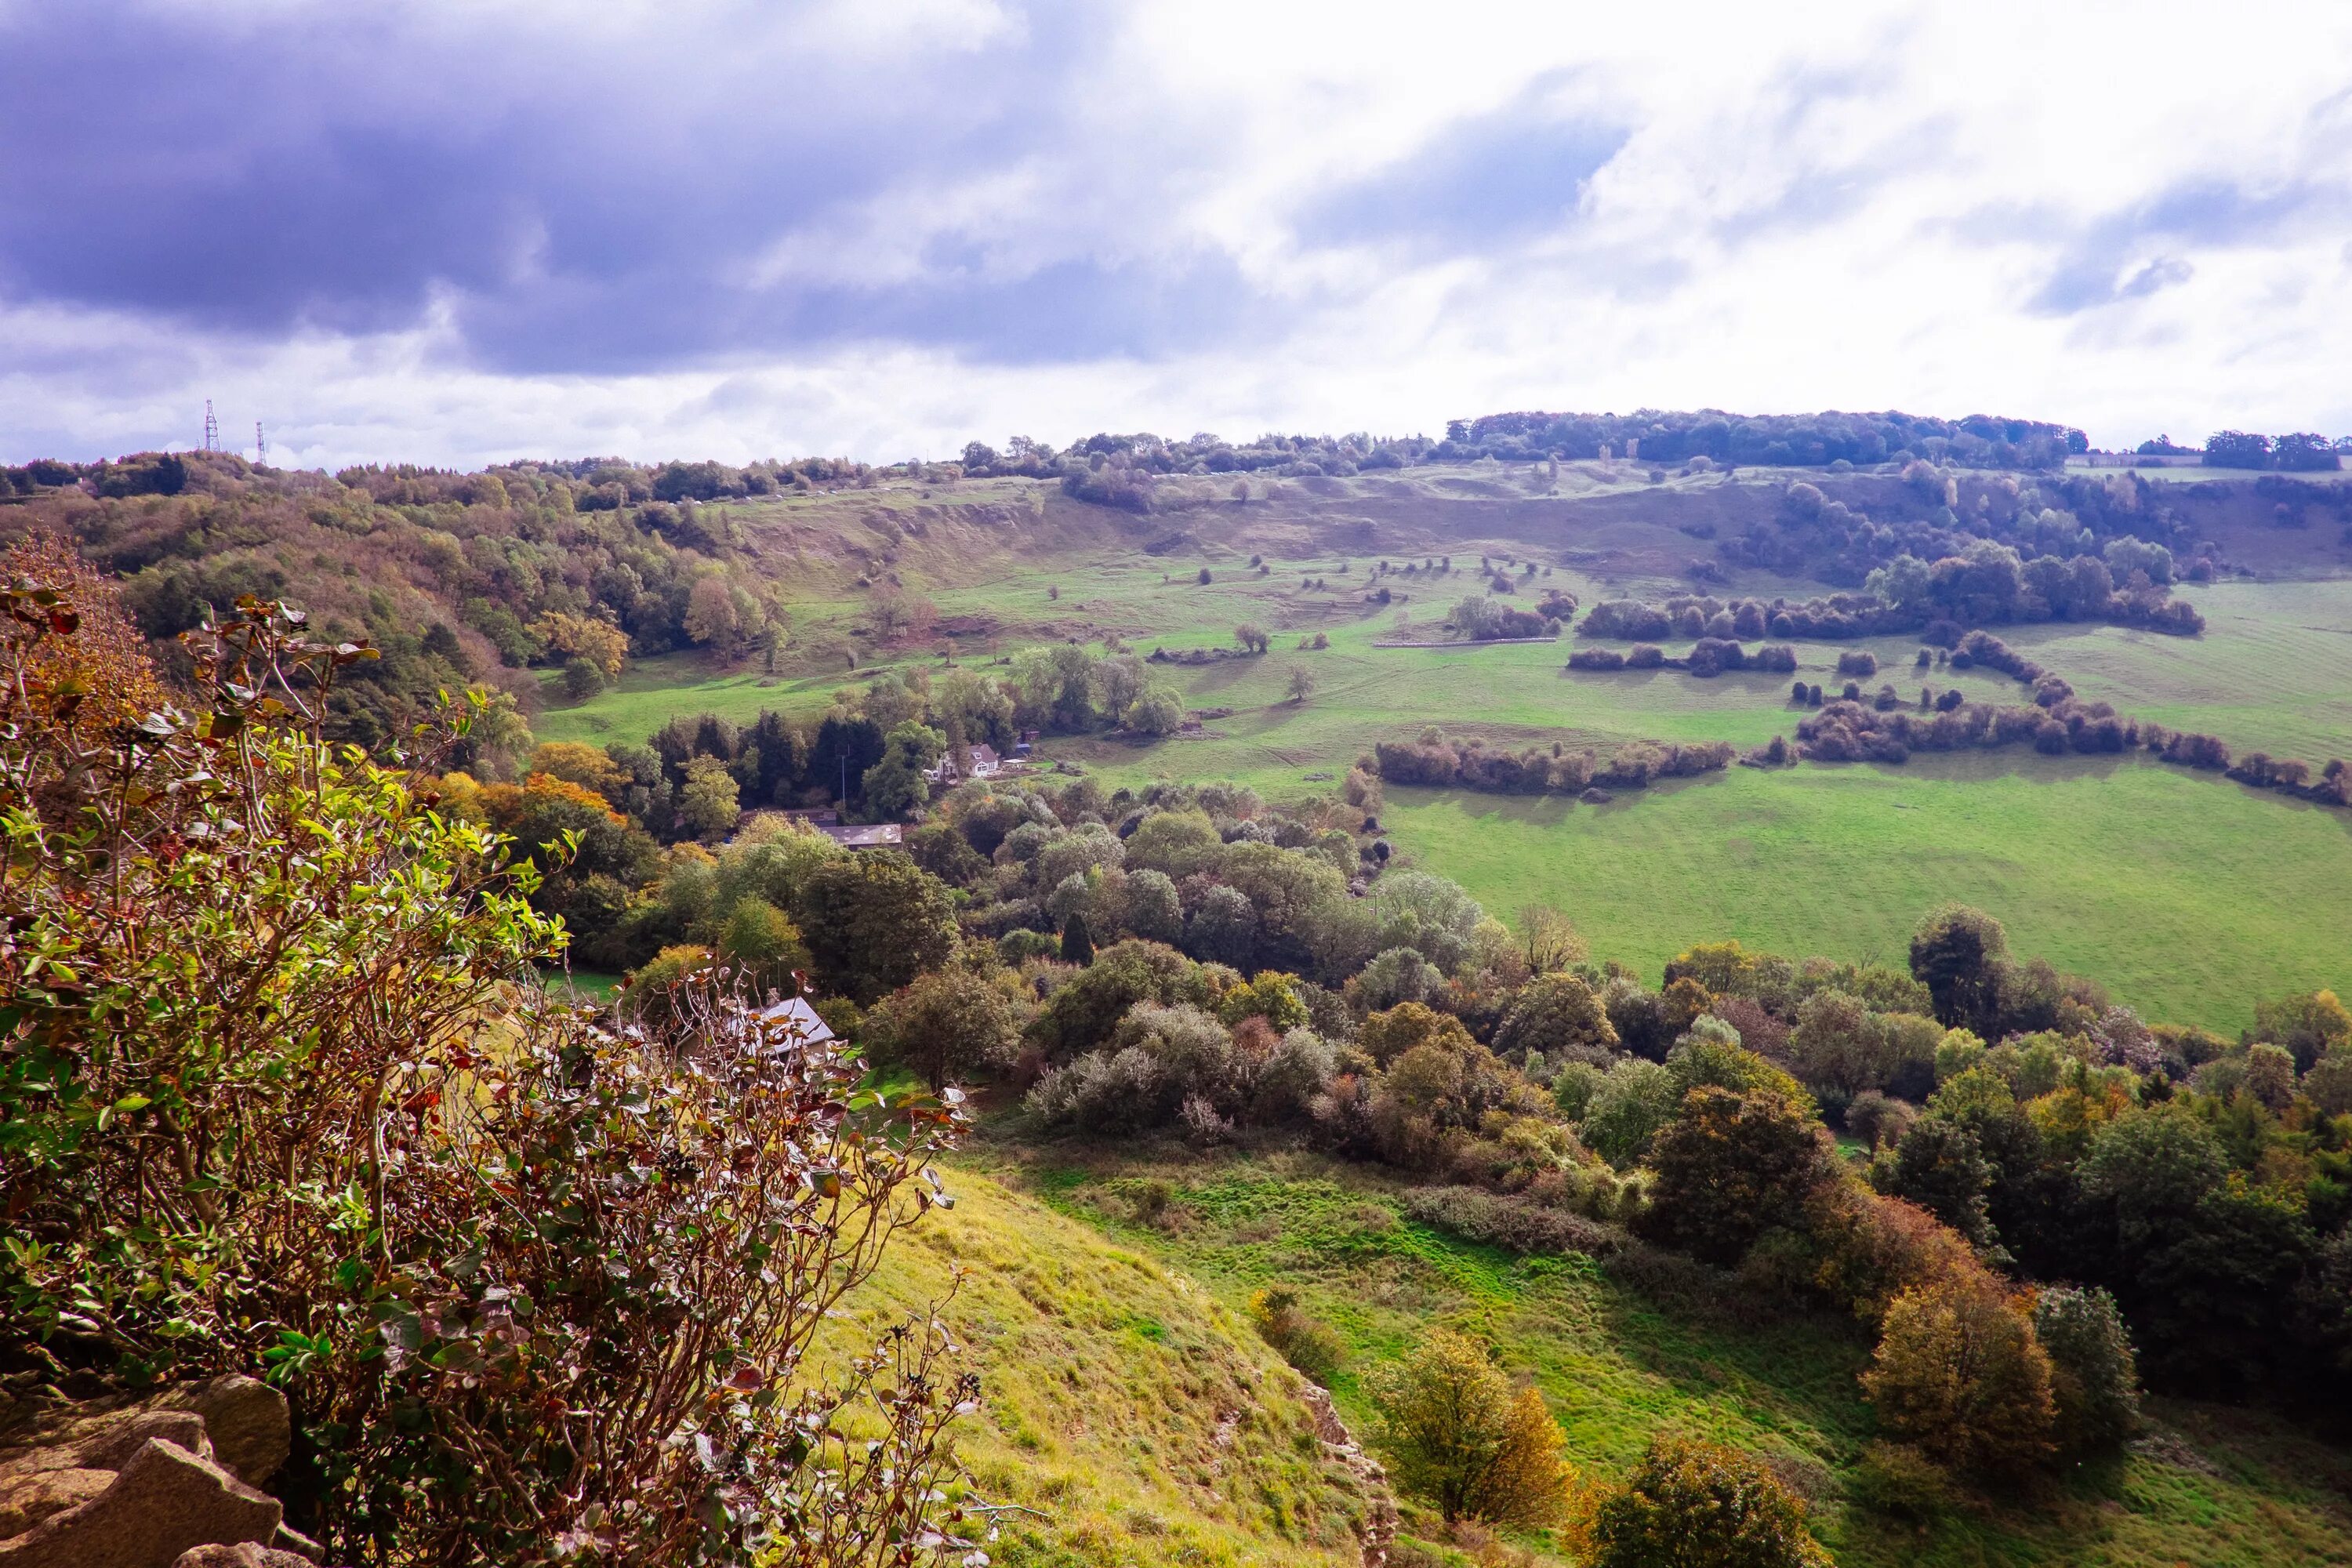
{"points": [[2124, 216]]}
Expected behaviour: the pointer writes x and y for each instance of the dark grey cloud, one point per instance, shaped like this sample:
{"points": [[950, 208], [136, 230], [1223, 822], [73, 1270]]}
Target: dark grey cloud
{"points": [[1492, 179], [578, 203], [2144, 249]]}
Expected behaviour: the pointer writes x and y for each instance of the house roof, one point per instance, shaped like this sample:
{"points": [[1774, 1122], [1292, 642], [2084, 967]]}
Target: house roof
{"points": [[796, 1014], [881, 836]]}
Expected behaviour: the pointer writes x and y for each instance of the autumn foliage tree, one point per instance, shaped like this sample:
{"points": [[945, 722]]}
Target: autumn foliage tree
{"points": [[1960, 1373], [1458, 1434]]}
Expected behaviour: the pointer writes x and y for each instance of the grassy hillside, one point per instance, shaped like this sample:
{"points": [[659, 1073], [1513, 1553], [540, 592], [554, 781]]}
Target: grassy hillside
{"points": [[2188, 898], [2209, 1487], [2268, 674], [1133, 1417]]}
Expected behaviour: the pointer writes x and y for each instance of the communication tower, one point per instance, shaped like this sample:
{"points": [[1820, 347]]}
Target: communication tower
{"points": [[212, 428], [260, 447]]}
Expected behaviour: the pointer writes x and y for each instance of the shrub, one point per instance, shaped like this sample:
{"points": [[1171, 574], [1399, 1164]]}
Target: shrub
{"points": [[1857, 663], [1899, 1480], [2095, 1380], [1877, 1119], [1307, 1344], [394, 1223], [1960, 1372], [1457, 1435], [1690, 1502]]}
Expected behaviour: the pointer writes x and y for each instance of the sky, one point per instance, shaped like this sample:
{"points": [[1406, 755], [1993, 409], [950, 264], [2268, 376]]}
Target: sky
{"points": [[467, 231]]}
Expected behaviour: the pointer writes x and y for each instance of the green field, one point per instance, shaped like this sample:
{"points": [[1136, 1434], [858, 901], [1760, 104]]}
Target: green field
{"points": [[2272, 671], [2189, 897], [2218, 1488]]}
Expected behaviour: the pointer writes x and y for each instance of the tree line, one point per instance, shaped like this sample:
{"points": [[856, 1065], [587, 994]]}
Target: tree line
{"points": [[1978, 550], [1435, 761], [1888, 729]]}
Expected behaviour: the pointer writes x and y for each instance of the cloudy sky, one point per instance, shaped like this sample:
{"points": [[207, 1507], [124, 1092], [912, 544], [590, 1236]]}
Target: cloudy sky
{"points": [[470, 230]]}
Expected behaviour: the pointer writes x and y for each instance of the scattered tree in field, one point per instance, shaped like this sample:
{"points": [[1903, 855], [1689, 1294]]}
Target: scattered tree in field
{"points": [[582, 679], [1301, 684], [1691, 1504], [1157, 711], [1251, 636], [1458, 1434], [1960, 1373], [1203, 579]]}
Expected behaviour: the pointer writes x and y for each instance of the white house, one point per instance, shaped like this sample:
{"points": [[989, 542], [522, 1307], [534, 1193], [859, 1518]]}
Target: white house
{"points": [[977, 762]]}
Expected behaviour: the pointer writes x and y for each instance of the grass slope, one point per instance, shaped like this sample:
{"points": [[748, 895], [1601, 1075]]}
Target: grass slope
{"points": [[2212, 1488], [1140, 1419], [2269, 674], [2188, 898]]}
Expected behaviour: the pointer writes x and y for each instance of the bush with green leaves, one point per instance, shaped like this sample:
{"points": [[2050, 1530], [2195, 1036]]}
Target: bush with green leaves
{"points": [[2094, 1377], [1307, 1343], [1690, 1502]]}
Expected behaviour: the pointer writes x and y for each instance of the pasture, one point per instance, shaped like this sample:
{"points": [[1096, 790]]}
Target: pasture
{"points": [[2189, 897]]}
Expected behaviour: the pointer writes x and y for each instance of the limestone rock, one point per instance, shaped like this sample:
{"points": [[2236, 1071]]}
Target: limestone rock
{"points": [[247, 1421], [164, 1501], [32, 1496], [245, 1554], [109, 1447], [289, 1538]]}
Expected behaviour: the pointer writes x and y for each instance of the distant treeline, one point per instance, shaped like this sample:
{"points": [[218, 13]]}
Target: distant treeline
{"points": [[1437, 761], [1784, 440], [1991, 585], [1708, 657], [2300, 452], [455, 578], [1998, 547]]}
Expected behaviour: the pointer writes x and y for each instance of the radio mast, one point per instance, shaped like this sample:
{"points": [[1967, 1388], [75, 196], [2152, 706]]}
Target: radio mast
{"points": [[212, 428], [260, 447]]}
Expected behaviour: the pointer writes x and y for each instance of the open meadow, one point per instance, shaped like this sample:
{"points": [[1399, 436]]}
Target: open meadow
{"points": [[2188, 896]]}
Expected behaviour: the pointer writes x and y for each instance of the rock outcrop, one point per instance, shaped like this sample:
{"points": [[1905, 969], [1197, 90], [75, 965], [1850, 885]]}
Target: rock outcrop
{"points": [[169, 1480]]}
